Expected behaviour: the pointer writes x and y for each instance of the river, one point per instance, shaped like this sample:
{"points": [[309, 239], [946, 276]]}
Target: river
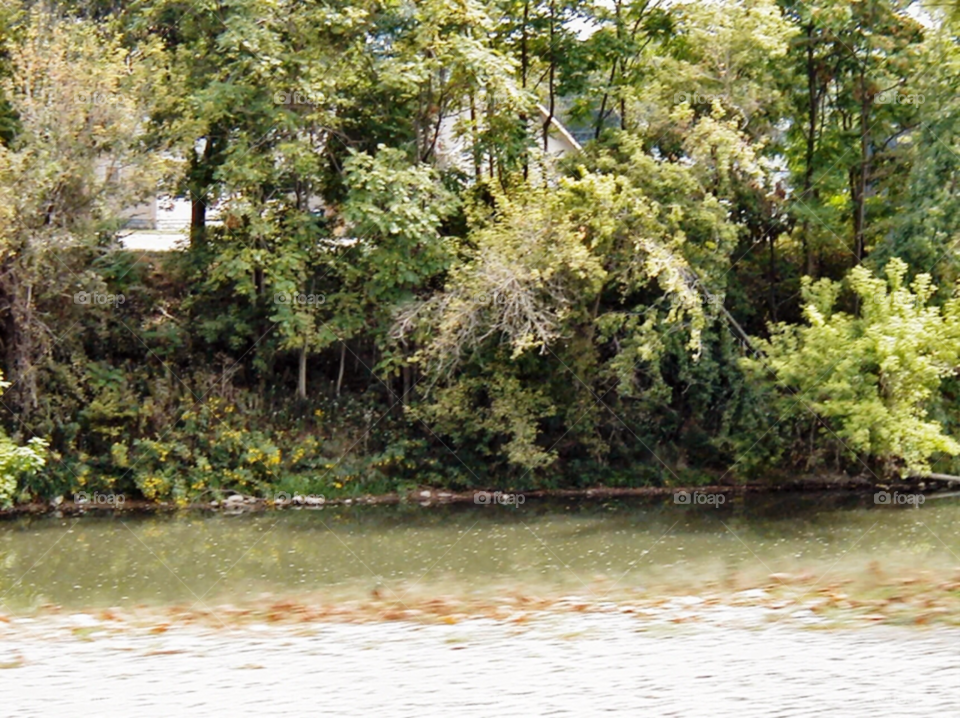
{"points": [[553, 547], [769, 605]]}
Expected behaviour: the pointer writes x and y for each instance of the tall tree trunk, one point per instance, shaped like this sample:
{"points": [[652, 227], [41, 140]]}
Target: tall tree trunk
{"points": [[202, 175], [302, 373], [807, 192], [343, 358], [771, 236], [863, 174], [198, 219], [601, 116], [303, 190], [524, 62], [551, 83], [474, 134]]}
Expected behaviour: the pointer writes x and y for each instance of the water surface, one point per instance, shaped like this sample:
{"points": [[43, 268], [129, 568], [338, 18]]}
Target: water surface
{"points": [[600, 549]]}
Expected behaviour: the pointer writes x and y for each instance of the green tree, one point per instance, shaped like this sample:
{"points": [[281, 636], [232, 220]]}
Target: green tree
{"points": [[873, 378], [76, 161], [856, 98], [17, 460]]}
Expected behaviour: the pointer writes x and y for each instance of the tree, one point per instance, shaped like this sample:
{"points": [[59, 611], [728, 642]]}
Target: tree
{"points": [[76, 161], [857, 66], [17, 460], [873, 378]]}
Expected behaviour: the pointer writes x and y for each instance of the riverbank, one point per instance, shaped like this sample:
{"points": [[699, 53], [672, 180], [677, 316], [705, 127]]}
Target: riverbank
{"points": [[430, 496]]}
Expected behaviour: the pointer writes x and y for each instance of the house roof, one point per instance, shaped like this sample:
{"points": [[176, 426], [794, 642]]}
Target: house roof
{"points": [[558, 126]]}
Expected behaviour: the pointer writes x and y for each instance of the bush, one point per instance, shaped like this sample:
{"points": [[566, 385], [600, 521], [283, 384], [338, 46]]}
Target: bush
{"points": [[16, 461], [874, 376]]}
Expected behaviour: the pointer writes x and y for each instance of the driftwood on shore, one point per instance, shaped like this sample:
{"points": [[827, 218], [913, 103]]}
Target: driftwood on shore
{"points": [[938, 477]]}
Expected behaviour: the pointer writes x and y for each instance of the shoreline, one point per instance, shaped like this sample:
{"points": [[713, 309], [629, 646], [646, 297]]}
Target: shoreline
{"points": [[430, 496]]}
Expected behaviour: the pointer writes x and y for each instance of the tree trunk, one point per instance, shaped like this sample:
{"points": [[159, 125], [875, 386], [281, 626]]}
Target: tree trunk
{"points": [[551, 84], [524, 62], [613, 74], [198, 219], [474, 132], [304, 352], [807, 193], [202, 176], [343, 358], [773, 276], [523, 45], [860, 199], [302, 373]]}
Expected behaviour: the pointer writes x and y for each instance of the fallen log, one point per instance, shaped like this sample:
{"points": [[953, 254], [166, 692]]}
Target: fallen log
{"points": [[938, 477]]}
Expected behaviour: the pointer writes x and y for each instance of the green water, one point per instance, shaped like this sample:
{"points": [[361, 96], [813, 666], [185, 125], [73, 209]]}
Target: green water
{"points": [[597, 548]]}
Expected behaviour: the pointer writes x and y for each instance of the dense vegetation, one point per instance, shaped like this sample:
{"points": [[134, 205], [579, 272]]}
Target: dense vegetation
{"points": [[749, 267]]}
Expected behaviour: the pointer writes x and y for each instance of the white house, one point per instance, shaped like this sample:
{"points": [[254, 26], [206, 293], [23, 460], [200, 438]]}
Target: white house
{"points": [[163, 223]]}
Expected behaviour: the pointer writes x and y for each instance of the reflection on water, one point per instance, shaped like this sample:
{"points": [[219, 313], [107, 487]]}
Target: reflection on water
{"points": [[608, 548]]}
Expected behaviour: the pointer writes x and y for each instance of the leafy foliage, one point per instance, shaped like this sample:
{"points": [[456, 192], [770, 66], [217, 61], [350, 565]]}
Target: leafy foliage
{"points": [[16, 461], [873, 376], [381, 231]]}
